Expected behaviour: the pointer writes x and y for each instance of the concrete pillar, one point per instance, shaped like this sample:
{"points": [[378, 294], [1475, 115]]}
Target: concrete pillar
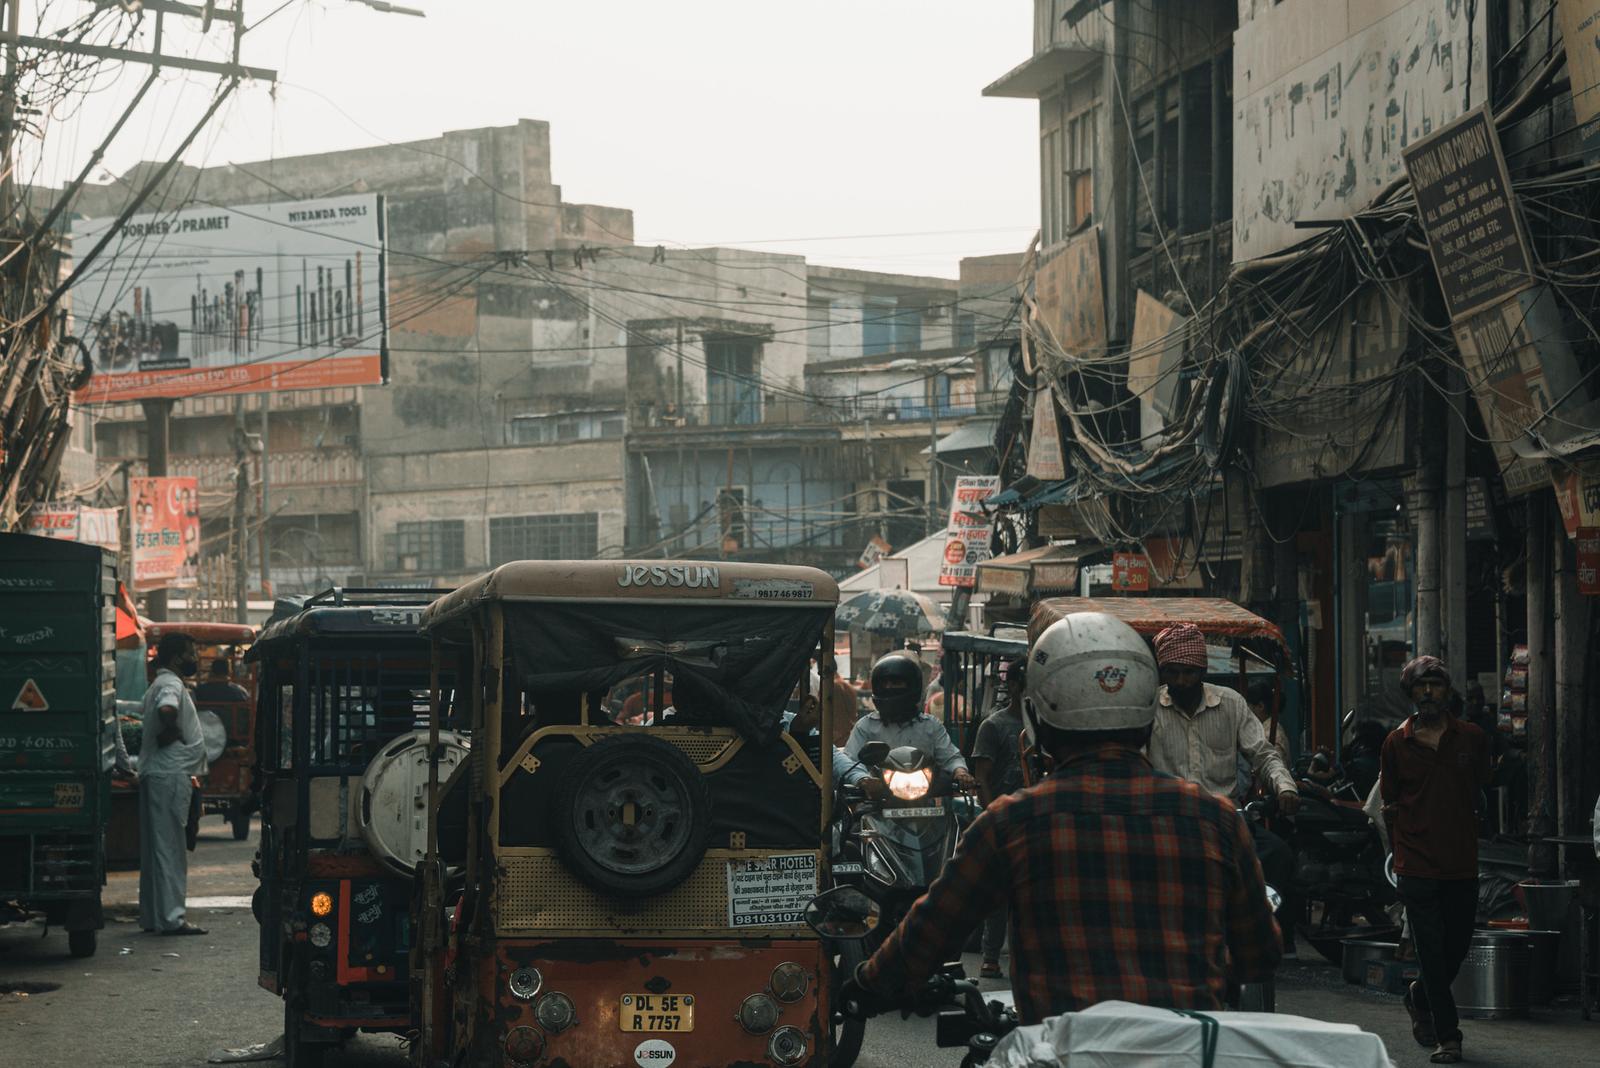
{"points": [[1571, 618], [1425, 520], [1541, 741], [1350, 582], [158, 422], [1455, 536]]}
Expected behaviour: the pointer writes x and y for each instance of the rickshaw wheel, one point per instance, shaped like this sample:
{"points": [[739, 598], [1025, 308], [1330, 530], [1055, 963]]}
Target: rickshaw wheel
{"points": [[82, 943], [634, 817], [239, 818], [849, 1031], [297, 1052]]}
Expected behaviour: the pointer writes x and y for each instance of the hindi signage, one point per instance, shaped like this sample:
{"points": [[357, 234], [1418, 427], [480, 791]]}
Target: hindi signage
{"points": [[967, 543], [1130, 572], [1045, 459], [73, 522], [1588, 545], [166, 532]]}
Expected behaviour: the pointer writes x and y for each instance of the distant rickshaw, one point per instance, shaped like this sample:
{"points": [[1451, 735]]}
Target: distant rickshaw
{"points": [[342, 688]]}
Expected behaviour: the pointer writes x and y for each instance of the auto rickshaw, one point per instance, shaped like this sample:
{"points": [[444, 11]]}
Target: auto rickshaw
{"points": [[342, 688], [228, 723], [630, 894]]}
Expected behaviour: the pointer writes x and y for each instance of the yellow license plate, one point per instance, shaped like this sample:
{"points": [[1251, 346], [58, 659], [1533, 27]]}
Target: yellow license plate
{"points": [[657, 1012]]}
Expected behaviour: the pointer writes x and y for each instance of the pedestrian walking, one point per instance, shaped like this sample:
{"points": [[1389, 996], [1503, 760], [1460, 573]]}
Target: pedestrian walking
{"points": [[173, 751], [997, 765], [1434, 766]]}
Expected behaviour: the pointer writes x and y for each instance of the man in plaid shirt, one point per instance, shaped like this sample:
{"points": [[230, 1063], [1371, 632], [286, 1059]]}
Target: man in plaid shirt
{"points": [[1122, 883]]}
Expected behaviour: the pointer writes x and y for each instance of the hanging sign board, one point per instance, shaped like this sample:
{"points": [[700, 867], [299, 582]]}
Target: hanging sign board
{"points": [[967, 544], [1071, 295], [1588, 545], [1577, 489], [1580, 35], [1469, 213], [73, 522], [166, 532], [1045, 460], [1130, 572]]}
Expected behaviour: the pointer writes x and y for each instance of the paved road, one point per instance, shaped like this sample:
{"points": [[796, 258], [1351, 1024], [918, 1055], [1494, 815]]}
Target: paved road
{"points": [[146, 1000]]}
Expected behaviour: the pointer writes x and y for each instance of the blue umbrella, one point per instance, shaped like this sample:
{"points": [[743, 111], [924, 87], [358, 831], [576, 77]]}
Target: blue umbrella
{"points": [[894, 613]]}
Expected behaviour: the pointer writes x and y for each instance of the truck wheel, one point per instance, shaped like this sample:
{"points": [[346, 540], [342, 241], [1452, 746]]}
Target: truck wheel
{"points": [[633, 817], [82, 943], [239, 817], [848, 1031], [297, 1051]]}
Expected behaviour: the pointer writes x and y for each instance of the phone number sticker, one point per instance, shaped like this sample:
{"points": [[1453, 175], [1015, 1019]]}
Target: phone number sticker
{"points": [[771, 891]]}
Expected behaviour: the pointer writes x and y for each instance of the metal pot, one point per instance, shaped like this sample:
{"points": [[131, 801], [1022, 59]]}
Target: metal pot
{"points": [[1359, 952], [1553, 906], [1493, 983], [1543, 950]]}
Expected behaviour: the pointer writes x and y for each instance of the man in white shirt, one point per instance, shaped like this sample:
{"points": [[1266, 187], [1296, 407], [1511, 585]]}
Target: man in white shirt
{"points": [[1202, 732], [172, 751], [896, 694]]}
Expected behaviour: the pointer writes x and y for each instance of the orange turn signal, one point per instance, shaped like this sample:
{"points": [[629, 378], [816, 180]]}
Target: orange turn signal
{"points": [[321, 903]]}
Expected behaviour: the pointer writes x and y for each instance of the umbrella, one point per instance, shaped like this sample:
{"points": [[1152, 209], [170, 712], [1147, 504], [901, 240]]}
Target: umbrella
{"points": [[896, 613]]}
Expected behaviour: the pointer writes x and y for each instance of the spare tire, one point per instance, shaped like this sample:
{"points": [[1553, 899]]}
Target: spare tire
{"points": [[633, 815]]}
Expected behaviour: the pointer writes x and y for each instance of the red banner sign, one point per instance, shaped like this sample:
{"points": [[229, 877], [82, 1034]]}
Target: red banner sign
{"points": [[166, 532], [1130, 572], [1588, 543]]}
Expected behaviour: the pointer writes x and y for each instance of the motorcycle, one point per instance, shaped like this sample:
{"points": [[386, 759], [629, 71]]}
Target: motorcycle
{"points": [[1339, 860], [890, 849]]}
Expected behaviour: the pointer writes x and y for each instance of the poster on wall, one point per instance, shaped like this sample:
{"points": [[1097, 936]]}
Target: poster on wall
{"points": [[166, 532], [244, 299], [967, 544], [1588, 546]]}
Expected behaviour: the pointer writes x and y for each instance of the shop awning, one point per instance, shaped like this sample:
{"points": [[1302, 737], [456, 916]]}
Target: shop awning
{"points": [[1034, 496], [1034, 572], [1148, 615], [968, 437]]}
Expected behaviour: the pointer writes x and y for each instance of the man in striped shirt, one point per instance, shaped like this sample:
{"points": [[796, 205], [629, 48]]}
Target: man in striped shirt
{"points": [[1122, 883]]}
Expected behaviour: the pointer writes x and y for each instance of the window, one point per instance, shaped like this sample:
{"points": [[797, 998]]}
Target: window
{"points": [[565, 426], [1052, 225], [733, 379], [428, 545], [966, 330], [355, 705], [730, 505], [887, 325], [1083, 140], [574, 536]]}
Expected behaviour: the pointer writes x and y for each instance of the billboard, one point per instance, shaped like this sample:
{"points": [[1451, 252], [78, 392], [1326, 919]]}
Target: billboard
{"points": [[243, 299], [166, 532]]}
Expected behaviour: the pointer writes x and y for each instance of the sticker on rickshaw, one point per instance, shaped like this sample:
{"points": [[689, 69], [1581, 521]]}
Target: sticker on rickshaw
{"points": [[657, 1052], [69, 795], [773, 590], [656, 1012], [771, 891]]}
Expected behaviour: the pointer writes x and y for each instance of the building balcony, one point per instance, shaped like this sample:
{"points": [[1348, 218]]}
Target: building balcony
{"points": [[307, 468]]}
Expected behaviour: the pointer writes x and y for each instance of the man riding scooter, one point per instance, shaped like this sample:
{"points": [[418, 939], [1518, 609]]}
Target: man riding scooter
{"points": [[897, 693], [1122, 883]]}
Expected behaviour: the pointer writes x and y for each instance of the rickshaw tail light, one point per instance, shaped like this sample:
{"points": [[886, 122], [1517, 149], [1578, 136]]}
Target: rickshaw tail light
{"points": [[321, 935], [321, 903], [909, 785], [555, 1012], [789, 982], [758, 1014], [787, 1046], [524, 1045]]}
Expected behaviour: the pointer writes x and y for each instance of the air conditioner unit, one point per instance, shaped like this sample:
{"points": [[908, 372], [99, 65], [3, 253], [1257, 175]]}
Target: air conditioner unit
{"points": [[935, 311]]}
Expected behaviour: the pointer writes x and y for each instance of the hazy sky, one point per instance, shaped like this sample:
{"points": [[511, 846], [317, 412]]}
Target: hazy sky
{"points": [[818, 127]]}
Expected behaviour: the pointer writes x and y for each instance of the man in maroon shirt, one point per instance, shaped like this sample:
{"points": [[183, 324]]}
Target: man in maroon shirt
{"points": [[1434, 768]]}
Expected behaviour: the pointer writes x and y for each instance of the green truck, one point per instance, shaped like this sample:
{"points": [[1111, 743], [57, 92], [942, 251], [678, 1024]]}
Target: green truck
{"points": [[57, 730]]}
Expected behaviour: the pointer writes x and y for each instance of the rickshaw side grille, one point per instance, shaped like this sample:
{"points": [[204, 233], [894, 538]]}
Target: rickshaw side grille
{"points": [[538, 895]]}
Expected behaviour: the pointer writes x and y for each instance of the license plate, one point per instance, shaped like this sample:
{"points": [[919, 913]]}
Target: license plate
{"points": [[657, 1012], [913, 813], [846, 867]]}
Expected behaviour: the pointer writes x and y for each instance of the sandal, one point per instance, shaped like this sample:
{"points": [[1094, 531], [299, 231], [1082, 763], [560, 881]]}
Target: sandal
{"points": [[186, 928], [1448, 1052], [990, 970], [1422, 1023]]}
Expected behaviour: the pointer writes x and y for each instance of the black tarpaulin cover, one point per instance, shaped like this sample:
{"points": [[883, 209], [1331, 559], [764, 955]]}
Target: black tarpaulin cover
{"points": [[730, 667]]}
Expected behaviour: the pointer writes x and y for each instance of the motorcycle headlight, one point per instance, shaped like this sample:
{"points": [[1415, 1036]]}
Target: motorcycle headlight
{"points": [[909, 785]]}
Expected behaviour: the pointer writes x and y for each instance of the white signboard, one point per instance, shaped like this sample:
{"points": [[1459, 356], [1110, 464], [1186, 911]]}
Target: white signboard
{"points": [[1045, 459], [1327, 93], [771, 891], [241, 299], [73, 522], [967, 544]]}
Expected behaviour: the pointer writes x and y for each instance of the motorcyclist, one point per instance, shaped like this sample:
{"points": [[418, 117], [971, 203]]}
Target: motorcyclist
{"points": [[1122, 882], [896, 694]]}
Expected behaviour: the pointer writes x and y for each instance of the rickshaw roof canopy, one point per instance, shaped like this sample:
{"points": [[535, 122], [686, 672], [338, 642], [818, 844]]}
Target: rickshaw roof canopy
{"points": [[659, 582], [364, 621], [1215, 616], [202, 631]]}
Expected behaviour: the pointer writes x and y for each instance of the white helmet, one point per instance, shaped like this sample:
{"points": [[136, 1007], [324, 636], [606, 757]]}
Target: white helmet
{"points": [[1090, 671]]}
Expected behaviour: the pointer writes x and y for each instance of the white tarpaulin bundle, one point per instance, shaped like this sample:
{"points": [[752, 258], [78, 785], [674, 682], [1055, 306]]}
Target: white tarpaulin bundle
{"points": [[1118, 1034]]}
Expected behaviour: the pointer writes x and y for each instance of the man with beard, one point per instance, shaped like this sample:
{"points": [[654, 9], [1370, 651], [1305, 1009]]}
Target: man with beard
{"points": [[1202, 731], [896, 694], [173, 750], [1434, 765]]}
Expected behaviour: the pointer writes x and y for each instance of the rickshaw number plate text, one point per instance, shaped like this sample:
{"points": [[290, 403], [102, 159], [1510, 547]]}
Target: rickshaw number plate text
{"points": [[657, 1012]]}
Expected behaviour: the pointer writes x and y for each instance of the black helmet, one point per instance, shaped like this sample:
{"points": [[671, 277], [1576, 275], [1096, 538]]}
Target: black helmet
{"points": [[897, 687]]}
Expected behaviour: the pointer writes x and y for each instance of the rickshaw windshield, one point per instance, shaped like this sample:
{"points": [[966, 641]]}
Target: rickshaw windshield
{"points": [[730, 667]]}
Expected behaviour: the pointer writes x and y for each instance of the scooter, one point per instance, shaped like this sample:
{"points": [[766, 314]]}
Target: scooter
{"points": [[891, 850], [1338, 862]]}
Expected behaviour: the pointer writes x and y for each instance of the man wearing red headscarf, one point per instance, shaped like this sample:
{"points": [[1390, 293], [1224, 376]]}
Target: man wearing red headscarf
{"points": [[1434, 766]]}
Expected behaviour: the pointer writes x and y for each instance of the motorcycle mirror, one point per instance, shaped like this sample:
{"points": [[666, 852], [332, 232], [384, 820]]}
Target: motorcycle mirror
{"points": [[1274, 899], [843, 913], [873, 754]]}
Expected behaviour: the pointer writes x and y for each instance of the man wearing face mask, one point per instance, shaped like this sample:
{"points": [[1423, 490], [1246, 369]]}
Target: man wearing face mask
{"points": [[173, 750], [1433, 767], [896, 694]]}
